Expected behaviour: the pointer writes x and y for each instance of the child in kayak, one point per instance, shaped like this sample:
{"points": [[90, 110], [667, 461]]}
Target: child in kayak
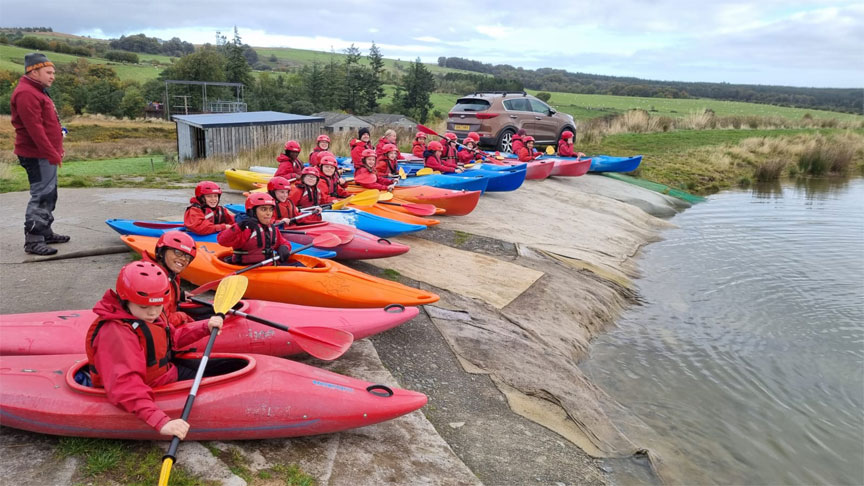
{"points": [[469, 153], [526, 153], [565, 145], [419, 145], [368, 177], [308, 193], [322, 144], [285, 210], [290, 164], [432, 158], [389, 138], [330, 178], [517, 142], [130, 346], [175, 250], [205, 216], [387, 163], [449, 147], [358, 145], [256, 238]]}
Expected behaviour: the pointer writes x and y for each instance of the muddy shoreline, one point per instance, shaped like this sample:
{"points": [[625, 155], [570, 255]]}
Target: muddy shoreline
{"points": [[508, 404]]}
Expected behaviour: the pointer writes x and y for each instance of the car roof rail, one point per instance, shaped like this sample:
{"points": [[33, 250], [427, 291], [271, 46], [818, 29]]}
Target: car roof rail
{"points": [[502, 93]]}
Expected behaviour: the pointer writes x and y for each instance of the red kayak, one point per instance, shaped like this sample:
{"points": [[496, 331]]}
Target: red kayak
{"points": [[63, 332], [265, 398], [536, 169], [570, 168], [362, 245]]}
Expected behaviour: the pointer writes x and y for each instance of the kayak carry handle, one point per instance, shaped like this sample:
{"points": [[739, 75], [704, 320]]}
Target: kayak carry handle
{"points": [[384, 240], [380, 390], [395, 308]]}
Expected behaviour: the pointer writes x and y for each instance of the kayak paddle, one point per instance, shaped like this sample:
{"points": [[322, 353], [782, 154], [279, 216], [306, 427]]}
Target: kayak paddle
{"points": [[412, 208], [327, 240], [365, 198], [402, 173], [321, 342], [385, 196], [429, 131], [230, 291]]}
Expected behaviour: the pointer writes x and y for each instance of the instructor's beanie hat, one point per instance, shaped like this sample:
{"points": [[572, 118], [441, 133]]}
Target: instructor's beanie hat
{"points": [[361, 131], [35, 60]]}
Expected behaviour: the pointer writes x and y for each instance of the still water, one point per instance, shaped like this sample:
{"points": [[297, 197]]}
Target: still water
{"points": [[747, 355]]}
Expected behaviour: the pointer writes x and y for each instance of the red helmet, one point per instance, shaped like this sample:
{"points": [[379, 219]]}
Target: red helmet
{"points": [[177, 240], [278, 183], [527, 138], [207, 187], [468, 140], [321, 138], [292, 146], [451, 137], [143, 283], [473, 136], [367, 153], [389, 147], [310, 171], [420, 135], [566, 134], [256, 199], [434, 145], [328, 159]]}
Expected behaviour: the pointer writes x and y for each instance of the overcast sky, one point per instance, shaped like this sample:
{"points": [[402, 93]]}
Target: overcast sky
{"points": [[786, 42]]}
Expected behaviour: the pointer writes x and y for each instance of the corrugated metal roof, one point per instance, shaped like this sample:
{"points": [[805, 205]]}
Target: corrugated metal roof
{"points": [[243, 119]]}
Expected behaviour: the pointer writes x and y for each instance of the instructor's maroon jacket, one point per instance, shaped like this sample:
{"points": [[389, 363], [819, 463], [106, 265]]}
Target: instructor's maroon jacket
{"points": [[37, 127]]}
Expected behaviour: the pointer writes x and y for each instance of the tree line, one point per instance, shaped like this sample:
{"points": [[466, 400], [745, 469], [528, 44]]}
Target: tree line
{"points": [[547, 79]]}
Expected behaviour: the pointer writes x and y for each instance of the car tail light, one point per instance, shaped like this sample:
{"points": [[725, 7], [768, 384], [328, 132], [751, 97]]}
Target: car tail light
{"points": [[486, 116]]}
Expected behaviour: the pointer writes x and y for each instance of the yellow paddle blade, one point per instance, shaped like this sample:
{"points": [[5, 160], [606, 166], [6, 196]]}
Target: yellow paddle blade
{"points": [[549, 150], [344, 202], [402, 173], [166, 471], [366, 198], [468, 166], [229, 292], [424, 171], [385, 196]]}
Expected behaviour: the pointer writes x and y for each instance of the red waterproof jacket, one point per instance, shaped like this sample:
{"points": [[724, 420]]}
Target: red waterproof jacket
{"points": [[386, 167], [418, 148], [285, 209], [171, 309], [252, 246], [304, 196], [313, 157], [565, 149], [332, 186], [466, 156], [448, 156], [116, 352], [516, 144], [357, 148], [434, 163], [288, 168], [527, 155], [37, 126], [380, 183], [204, 220], [379, 148]]}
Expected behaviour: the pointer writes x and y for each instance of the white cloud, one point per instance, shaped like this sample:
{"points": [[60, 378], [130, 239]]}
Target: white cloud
{"points": [[427, 38]]}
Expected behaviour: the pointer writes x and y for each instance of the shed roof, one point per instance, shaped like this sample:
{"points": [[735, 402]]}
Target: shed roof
{"points": [[248, 118]]}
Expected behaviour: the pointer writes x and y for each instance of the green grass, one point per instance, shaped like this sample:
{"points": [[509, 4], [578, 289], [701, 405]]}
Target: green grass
{"points": [[122, 462], [391, 274], [12, 59], [126, 172], [460, 237], [585, 106]]}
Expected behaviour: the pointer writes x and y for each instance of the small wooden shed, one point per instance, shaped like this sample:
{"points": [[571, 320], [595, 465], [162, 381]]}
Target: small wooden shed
{"points": [[201, 136]]}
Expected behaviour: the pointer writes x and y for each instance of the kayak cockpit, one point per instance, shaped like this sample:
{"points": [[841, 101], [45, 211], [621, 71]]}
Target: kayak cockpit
{"points": [[238, 365]]}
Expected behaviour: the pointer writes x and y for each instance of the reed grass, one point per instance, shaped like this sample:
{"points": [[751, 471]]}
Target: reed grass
{"points": [[769, 170]]}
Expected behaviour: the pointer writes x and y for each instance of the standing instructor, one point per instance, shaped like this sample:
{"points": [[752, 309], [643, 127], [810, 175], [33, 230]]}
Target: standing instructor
{"points": [[39, 147]]}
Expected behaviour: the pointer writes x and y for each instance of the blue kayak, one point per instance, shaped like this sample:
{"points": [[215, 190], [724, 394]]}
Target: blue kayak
{"points": [[606, 163], [499, 178], [456, 182], [370, 223], [128, 227]]}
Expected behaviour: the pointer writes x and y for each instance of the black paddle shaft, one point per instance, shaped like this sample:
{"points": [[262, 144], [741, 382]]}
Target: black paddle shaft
{"points": [[261, 320]]}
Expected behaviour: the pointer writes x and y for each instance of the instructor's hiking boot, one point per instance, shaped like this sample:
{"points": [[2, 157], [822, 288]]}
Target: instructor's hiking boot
{"points": [[55, 238], [39, 248]]}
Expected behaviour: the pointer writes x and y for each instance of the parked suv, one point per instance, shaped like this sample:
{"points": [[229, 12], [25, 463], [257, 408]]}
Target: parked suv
{"points": [[497, 115]]}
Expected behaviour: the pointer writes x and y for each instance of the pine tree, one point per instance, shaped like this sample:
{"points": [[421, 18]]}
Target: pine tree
{"points": [[373, 90], [237, 69], [412, 96]]}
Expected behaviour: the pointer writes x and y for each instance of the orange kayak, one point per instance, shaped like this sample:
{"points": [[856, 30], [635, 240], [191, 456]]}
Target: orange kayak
{"points": [[454, 202], [321, 283]]}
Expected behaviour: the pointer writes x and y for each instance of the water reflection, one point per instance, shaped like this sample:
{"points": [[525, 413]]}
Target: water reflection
{"points": [[749, 351]]}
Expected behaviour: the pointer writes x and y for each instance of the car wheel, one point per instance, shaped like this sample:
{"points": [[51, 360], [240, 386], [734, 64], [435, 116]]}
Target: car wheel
{"points": [[505, 140]]}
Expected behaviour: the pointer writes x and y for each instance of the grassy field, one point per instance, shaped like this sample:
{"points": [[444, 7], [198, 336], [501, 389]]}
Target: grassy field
{"points": [[12, 59], [585, 106]]}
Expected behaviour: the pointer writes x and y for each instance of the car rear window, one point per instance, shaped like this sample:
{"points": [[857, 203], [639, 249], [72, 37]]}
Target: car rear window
{"points": [[471, 104]]}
